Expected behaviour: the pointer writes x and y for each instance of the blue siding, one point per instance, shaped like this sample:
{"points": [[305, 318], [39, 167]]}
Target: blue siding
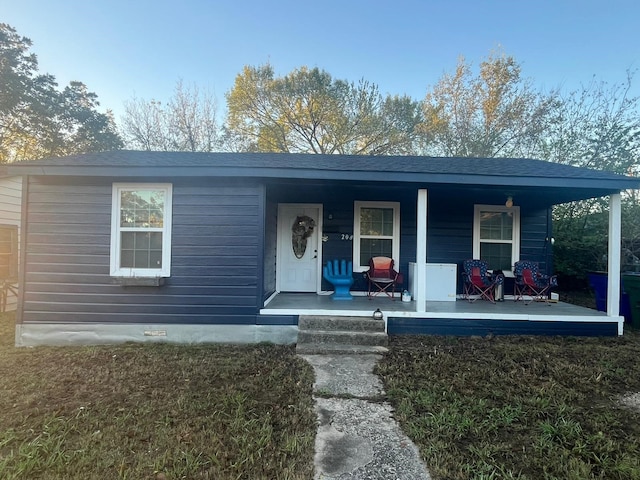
{"points": [[450, 223], [450, 231], [447, 326], [338, 201], [270, 249], [277, 320], [535, 229], [223, 246], [216, 252]]}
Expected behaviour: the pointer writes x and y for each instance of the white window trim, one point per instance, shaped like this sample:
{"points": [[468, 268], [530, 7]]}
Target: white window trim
{"points": [[357, 205], [515, 242], [115, 270]]}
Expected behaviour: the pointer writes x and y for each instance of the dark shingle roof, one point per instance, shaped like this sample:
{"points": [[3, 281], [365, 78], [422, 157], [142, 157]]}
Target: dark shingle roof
{"points": [[406, 169]]}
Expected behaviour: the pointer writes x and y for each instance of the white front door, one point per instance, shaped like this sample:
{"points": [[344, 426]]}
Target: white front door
{"points": [[299, 257]]}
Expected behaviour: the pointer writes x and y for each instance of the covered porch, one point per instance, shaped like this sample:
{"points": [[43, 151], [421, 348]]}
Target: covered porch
{"points": [[460, 317], [426, 238]]}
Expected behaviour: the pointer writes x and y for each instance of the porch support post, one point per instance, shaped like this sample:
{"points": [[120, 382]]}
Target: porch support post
{"points": [[613, 256], [420, 281]]}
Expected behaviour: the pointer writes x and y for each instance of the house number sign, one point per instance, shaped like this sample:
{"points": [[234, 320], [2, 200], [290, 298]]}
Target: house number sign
{"points": [[346, 236]]}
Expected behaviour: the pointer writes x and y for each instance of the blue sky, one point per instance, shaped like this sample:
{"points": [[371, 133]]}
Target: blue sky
{"points": [[121, 49]]}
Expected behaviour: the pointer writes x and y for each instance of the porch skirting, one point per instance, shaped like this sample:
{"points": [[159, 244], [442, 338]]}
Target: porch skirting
{"points": [[34, 334], [483, 327]]}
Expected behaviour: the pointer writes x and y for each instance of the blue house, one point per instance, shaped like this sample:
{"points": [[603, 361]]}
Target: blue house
{"points": [[192, 247]]}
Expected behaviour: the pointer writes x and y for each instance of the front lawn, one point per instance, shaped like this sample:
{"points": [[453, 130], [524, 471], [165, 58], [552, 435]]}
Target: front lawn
{"points": [[161, 411], [478, 408], [518, 407]]}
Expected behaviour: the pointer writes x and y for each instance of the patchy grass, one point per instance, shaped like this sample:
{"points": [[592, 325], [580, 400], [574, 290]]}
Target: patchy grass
{"points": [[482, 408], [518, 407], [161, 411]]}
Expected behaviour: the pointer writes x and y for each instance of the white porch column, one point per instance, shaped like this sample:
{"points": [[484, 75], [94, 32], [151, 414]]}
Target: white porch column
{"points": [[420, 282], [613, 255]]}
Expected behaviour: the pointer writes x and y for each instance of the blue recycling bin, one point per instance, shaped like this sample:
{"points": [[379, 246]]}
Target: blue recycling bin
{"points": [[599, 281]]}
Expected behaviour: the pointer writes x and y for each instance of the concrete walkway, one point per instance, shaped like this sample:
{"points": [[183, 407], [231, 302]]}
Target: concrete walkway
{"points": [[357, 436]]}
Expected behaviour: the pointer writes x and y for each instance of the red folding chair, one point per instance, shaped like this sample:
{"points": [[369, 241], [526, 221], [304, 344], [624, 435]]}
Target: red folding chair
{"points": [[381, 277], [531, 282], [478, 282]]}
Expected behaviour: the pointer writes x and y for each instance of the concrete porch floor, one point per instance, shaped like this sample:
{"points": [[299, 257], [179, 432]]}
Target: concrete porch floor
{"points": [[312, 304], [455, 317]]}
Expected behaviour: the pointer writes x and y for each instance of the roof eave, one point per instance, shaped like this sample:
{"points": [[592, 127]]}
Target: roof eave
{"points": [[614, 184]]}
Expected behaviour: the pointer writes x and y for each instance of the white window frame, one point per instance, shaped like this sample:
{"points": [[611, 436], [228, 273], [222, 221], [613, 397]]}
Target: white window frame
{"points": [[395, 238], [116, 197], [515, 241]]}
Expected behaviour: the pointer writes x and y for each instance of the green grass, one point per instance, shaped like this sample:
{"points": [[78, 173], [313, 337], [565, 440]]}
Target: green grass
{"points": [[154, 411], [478, 408], [518, 407]]}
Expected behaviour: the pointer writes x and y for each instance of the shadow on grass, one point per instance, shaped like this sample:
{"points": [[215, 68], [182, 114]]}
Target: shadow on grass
{"points": [[154, 411]]}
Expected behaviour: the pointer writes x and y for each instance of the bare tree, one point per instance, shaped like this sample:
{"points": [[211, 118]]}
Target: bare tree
{"points": [[598, 127], [496, 113], [187, 122]]}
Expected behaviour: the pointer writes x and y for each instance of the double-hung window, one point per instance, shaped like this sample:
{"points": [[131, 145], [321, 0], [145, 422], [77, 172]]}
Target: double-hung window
{"points": [[141, 230], [376, 232], [496, 235]]}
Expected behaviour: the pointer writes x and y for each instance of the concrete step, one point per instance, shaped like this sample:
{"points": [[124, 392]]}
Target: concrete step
{"points": [[360, 324], [334, 335], [342, 337], [330, 349]]}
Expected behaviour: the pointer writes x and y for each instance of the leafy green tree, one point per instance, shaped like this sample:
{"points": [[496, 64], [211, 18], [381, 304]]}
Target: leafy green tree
{"points": [[187, 122], [309, 111], [38, 120], [495, 113]]}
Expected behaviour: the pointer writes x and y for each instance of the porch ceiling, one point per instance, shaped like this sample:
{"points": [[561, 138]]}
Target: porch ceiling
{"points": [[535, 196]]}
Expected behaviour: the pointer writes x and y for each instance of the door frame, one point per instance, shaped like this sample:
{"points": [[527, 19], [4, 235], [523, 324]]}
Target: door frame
{"points": [[317, 233]]}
